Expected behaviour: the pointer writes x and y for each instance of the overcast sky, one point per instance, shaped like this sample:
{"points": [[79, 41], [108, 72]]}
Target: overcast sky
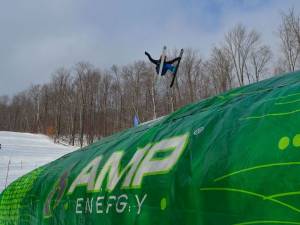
{"points": [[39, 36]]}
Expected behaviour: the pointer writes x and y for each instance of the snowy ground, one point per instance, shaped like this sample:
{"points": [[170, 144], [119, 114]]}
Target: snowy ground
{"points": [[23, 152]]}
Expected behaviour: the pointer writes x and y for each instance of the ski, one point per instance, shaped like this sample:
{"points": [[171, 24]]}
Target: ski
{"points": [[176, 68], [162, 61]]}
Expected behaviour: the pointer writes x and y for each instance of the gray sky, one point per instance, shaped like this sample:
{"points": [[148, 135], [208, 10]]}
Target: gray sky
{"points": [[39, 36]]}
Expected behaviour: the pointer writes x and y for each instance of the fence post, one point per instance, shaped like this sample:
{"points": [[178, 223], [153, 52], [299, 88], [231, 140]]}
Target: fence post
{"points": [[7, 173]]}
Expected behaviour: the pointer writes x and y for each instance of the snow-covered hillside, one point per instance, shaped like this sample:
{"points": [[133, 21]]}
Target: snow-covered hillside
{"points": [[23, 152]]}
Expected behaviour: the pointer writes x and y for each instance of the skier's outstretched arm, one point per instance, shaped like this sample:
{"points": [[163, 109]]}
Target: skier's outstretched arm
{"points": [[173, 60], [150, 58]]}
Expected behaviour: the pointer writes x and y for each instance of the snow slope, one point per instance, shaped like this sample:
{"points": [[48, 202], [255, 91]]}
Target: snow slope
{"points": [[23, 152]]}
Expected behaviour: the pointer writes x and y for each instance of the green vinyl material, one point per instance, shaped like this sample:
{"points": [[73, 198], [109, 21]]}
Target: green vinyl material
{"points": [[230, 159]]}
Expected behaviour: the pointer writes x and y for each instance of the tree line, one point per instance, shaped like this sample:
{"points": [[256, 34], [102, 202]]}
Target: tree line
{"points": [[84, 103]]}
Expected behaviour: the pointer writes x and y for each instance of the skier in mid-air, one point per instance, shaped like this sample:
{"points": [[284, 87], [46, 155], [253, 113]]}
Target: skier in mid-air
{"points": [[167, 66]]}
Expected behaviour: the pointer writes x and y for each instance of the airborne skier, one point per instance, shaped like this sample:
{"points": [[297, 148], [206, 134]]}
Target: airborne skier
{"points": [[167, 66], [163, 66]]}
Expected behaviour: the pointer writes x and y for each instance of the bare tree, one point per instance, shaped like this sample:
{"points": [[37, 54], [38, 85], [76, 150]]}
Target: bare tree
{"points": [[191, 70], [59, 85], [5, 121], [34, 94], [239, 43], [219, 69], [259, 60], [118, 97], [289, 34], [82, 69]]}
